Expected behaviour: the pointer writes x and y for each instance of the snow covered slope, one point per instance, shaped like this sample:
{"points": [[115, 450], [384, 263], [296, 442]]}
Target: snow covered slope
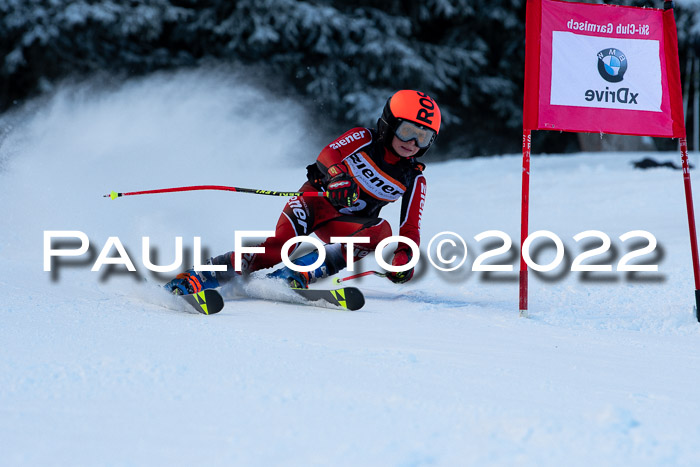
{"points": [[440, 371]]}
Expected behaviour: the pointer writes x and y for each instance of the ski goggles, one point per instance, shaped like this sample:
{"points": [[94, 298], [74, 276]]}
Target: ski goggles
{"points": [[406, 131]]}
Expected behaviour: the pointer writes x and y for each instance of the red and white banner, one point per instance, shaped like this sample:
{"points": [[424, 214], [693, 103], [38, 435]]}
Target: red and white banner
{"points": [[602, 68]]}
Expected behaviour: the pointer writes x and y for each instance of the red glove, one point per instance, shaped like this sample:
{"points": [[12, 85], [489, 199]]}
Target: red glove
{"points": [[342, 191], [401, 258]]}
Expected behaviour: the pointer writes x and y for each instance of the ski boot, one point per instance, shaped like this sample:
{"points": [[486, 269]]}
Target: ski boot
{"points": [[300, 280], [192, 281]]}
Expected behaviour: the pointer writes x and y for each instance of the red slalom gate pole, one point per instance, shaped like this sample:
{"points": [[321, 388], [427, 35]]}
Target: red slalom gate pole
{"points": [[115, 195], [691, 223], [524, 217]]}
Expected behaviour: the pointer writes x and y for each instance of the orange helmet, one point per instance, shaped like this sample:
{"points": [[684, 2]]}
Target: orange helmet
{"points": [[412, 106]]}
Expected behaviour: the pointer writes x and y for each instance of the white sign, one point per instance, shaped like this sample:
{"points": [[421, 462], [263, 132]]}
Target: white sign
{"points": [[607, 73]]}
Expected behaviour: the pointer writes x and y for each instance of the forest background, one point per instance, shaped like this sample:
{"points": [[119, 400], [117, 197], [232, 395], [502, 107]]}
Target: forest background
{"points": [[340, 60]]}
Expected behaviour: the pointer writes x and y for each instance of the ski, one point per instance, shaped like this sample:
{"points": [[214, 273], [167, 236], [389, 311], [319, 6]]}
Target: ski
{"points": [[349, 298], [207, 301], [210, 301]]}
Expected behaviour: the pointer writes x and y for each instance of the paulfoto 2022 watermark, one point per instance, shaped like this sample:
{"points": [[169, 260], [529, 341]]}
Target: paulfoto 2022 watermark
{"points": [[447, 251]]}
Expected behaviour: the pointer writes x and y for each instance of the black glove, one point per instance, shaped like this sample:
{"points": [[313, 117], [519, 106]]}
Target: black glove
{"points": [[342, 191], [401, 257]]}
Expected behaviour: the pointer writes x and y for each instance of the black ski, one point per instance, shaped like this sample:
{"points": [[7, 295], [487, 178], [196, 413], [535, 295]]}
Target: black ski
{"points": [[349, 298], [207, 301]]}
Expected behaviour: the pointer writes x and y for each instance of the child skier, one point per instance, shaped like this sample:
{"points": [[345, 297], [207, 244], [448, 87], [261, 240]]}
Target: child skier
{"points": [[361, 172]]}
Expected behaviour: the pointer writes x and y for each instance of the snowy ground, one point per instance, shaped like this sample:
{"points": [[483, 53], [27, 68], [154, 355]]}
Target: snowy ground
{"points": [[440, 371]]}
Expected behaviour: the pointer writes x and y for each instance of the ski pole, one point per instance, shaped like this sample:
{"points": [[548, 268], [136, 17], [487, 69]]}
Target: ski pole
{"points": [[338, 280], [115, 195]]}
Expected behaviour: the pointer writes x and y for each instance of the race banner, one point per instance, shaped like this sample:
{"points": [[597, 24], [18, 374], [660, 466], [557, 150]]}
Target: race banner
{"points": [[602, 68]]}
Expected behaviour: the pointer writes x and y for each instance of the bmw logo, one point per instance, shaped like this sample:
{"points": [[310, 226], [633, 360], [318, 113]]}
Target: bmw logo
{"points": [[612, 65]]}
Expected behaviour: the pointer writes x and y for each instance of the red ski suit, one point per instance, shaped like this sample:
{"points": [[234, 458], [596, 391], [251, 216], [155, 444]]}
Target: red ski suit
{"points": [[382, 178]]}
